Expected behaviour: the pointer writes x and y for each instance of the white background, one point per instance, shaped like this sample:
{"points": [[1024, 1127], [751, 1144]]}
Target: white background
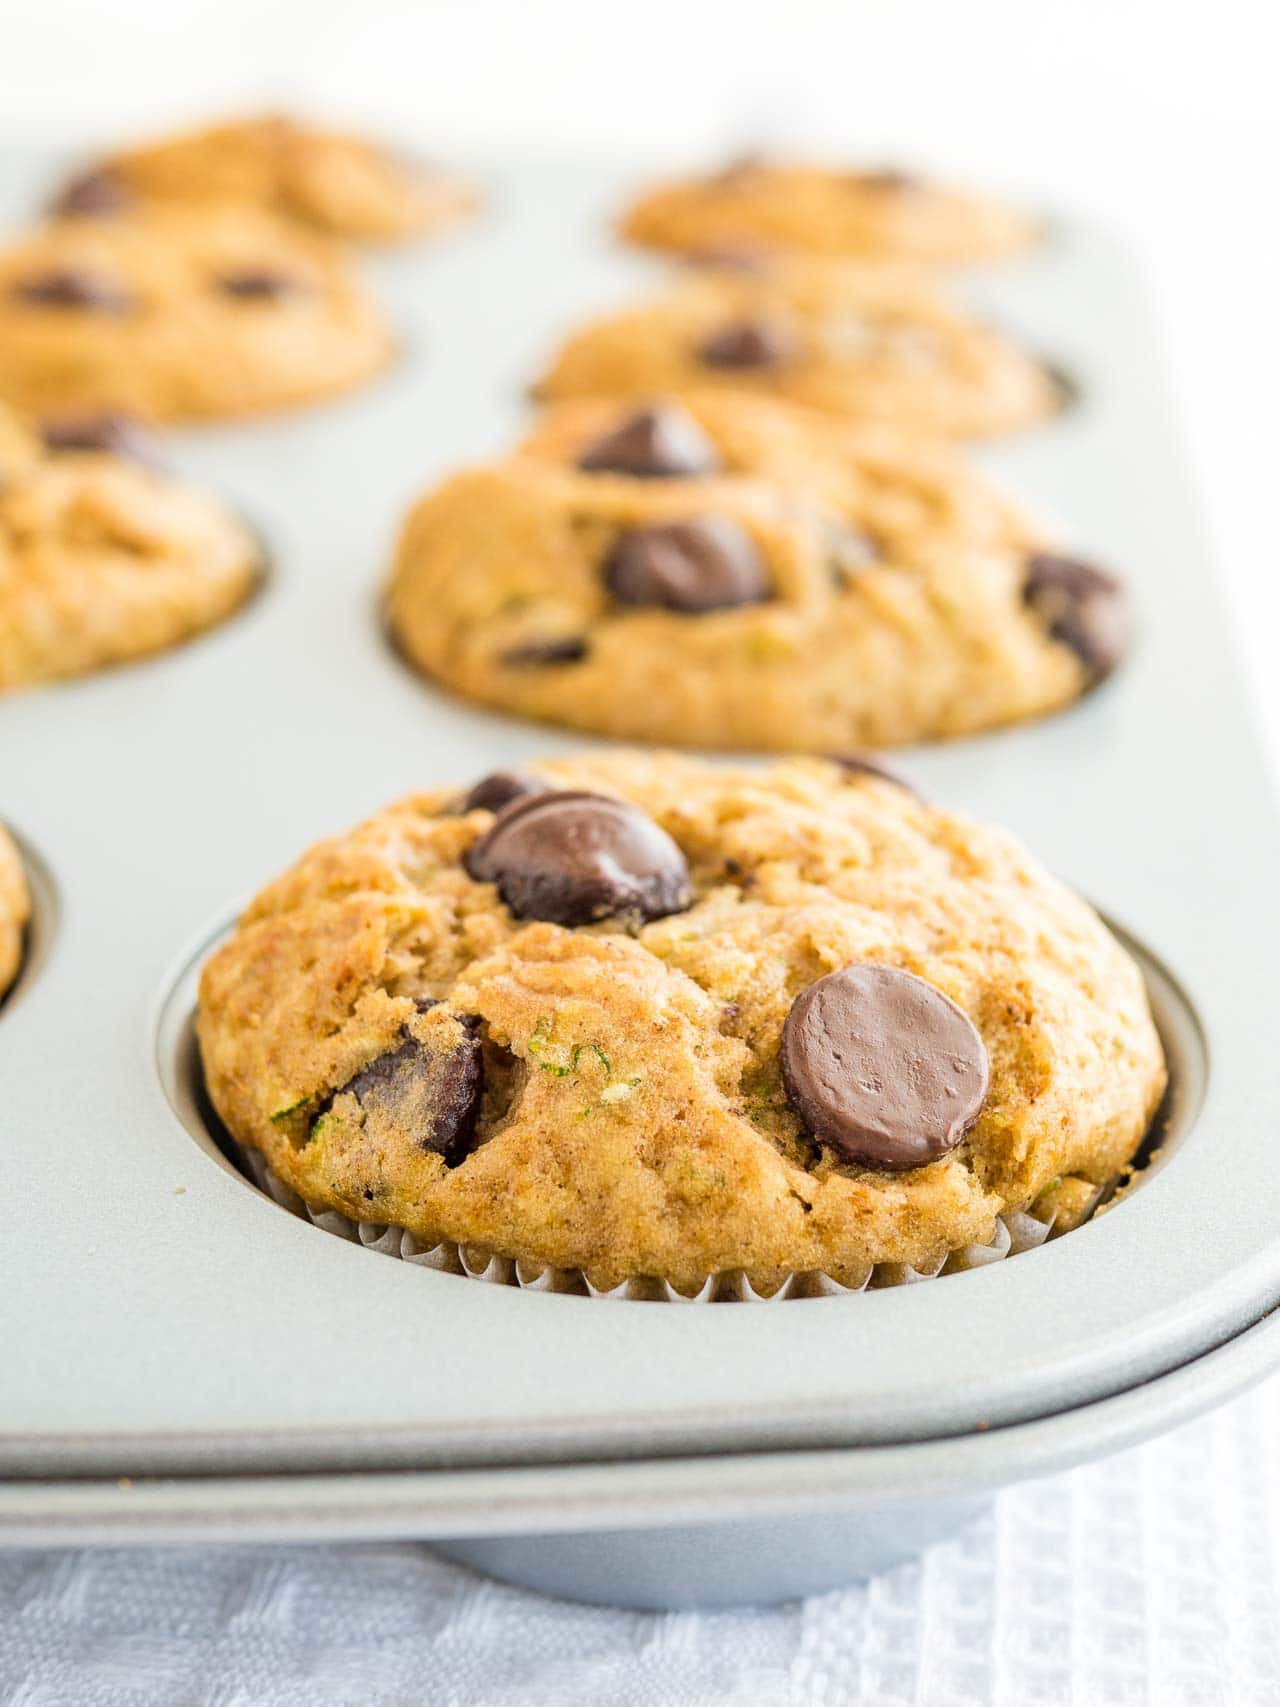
{"points": [[1157, 116]]}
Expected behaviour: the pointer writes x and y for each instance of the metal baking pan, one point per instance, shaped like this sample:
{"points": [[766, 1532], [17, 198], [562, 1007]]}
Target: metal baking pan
{"points": [[249, 1374]]}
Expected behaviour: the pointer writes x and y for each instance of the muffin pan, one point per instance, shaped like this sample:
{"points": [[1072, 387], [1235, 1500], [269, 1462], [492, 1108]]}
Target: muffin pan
{"points": [[251, 1376], [41, 926]]}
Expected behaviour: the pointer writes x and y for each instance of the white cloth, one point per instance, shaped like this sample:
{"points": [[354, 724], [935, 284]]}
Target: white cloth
{"points": [[1149, 1580]]}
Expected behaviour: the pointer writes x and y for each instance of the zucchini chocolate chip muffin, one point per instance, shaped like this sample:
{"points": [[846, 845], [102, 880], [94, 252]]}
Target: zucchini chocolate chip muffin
{"points": [[704, 607], [103, 557], [875, 343], [15, 909], [177, 314], [871, 215], [641, 1015], [344, 185], [892, 487]]}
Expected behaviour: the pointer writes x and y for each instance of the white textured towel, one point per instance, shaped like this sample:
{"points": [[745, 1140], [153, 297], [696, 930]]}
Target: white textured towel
{"points": [[1149, 1580]]}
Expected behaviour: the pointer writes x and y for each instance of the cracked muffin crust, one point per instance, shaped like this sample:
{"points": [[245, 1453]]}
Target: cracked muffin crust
{"points": [[875, 343], [102, 558], [15, 909], [724, 610], [578, 1031], [344, 185], [871, 215], [176, 314]]}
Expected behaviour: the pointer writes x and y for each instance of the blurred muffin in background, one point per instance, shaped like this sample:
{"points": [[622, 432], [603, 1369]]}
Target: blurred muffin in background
{"points": [[104, 558], [890, 486], [344, 185], [869, 342], [870, 215], [649, 584], [182, 313]]}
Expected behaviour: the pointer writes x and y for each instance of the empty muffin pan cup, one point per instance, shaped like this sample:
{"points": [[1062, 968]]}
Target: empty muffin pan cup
{"points": [[241, 1374]]}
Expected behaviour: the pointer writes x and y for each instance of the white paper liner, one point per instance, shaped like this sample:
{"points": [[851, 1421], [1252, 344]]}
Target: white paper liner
{"points": [[1016, 1231]]}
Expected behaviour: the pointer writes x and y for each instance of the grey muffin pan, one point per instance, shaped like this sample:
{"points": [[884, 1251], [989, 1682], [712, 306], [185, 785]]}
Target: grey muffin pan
{"points": [[42, 925], [247, 1374]]}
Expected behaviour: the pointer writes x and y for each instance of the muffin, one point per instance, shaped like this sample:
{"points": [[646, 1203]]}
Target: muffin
{"points": [[894, 488], [873, 343], [15, 909], [726, 609], [640, 1015], [181, 314], [345, 186], [870, 215], [103, 557]]}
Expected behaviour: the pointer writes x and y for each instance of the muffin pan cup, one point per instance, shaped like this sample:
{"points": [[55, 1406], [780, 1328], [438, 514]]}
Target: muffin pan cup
{"points": [[42, 922], [250, 1375], [1015, 1232]]}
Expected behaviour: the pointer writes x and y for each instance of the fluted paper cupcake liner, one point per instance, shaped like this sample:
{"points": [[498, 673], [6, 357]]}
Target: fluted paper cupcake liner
{"points": [[1016, 1231]]}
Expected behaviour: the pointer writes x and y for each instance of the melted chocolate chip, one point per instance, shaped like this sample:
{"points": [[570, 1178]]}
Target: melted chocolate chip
{"points": [[883, 1067], [117, 435], [572, 858], [705, 564], [431, 1094], [569, 649], [500, 788], [1082, 607], [658, 443], [860, 764], [70, 287], [749, 344], [92, 194], [257, 285]]}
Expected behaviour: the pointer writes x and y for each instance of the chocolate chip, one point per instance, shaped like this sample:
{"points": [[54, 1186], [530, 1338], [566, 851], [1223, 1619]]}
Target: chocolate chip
{"points": [[883, 1067], [431, 1094], [70, 287], [1082, 607], [117, 435], [91, 194], [257, 286], [573, 857], [658, 443], [705, 564], [1067, 389], [500, 788], [569, 649], [859, 764], [886, 178], [749, 344], [738, 170], [729, 257]]}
